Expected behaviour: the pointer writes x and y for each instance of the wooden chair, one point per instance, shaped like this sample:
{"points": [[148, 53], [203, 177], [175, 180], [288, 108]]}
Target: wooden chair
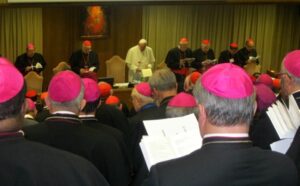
{"points": [[61, 67], [34, 82], [115, 67], [252, 68]]}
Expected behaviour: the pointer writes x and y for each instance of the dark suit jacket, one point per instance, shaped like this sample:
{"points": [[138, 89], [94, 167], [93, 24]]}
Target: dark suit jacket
{"points": [[67, 132], [200, 56], [243, 55], [218, 163], [26, 163], [77, 62], [111, 116], [24, 61], [113, 132], [225, 57], [174, 55]]}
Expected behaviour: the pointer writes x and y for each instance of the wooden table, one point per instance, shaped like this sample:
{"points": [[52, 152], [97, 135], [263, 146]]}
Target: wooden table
{"points": [[124, 94]]}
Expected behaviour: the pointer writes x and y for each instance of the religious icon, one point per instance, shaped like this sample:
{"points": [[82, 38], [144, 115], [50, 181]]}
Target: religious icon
{"points": [[95, 22]]}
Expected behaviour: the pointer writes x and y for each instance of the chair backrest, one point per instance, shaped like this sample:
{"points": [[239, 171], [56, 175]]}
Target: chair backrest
{"points": [[115, 67], [61, 67], [34, 82]]}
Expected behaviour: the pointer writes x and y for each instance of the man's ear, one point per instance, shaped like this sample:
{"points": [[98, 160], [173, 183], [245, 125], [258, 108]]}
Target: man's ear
{"points": [[48, 103], [24, 108], [202, 118], [82, 104], [254, 107]]}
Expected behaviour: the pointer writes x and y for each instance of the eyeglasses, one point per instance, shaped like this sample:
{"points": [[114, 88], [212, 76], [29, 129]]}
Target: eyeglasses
{"points": [[283, 73]]}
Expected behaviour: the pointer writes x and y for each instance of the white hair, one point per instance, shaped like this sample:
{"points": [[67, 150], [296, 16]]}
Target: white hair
{"points": [[142, 41]]}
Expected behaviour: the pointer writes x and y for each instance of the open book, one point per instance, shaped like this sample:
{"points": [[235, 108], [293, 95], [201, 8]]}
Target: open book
{"points": [[170, 138], [285, 120]]}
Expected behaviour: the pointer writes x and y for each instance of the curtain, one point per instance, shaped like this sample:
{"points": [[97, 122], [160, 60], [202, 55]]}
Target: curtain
{"points": [[19, 26], [273, 27]]}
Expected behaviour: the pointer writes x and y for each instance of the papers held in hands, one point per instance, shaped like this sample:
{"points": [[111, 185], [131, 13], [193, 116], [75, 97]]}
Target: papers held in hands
{"points": [[170, 138], [252, 58], [146, 72], [38, 65], [285, 121], [209, 62], [91, 69]]}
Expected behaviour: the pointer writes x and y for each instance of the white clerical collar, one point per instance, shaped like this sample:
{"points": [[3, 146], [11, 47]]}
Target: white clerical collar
{"points": [[64, 112], [295, 92], [87, 116], [231, 135]]}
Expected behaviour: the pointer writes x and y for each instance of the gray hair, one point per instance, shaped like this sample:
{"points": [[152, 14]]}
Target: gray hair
{"points": [[223, 111], [163, 80], [172, 112], [144, 99], [74, 104]]}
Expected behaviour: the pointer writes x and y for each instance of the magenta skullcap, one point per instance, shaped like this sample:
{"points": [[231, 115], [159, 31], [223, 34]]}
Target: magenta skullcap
{"points": [[30, 104], [227, 81], [291, 63], [65, 86], [182, 100], [265, 79], [264, 97], [11, 80], [144, 89], [91, 90]]}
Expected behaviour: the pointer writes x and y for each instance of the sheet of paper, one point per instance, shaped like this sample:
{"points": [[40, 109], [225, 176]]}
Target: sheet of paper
{"points": [[172, 126], [146, 72], [91, 69], [156, 149], [282, 145], [184, 144]]}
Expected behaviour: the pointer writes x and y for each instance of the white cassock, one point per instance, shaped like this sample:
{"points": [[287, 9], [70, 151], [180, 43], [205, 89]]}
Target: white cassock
{"points": [[138, 59]]}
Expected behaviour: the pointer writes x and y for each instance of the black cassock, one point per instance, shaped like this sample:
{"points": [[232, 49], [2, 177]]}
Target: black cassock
{"points": [[26, 163], [173, 62], [201, 56], [67, 132], [24, 61], [80, 60], [243, 55], [226, 162], [226, 56]]}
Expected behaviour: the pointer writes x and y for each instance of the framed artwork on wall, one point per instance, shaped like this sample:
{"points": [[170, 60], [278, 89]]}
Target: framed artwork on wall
{"points": [[95, 22]]}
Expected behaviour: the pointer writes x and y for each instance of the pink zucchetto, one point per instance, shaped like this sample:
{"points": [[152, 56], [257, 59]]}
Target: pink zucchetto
{"points": [[266, 80], [291, 63], [144, 89], [227, 81], [182, 100], [11, 80], [264, 97], [30, 104], [91, 90], [65, 86]]}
